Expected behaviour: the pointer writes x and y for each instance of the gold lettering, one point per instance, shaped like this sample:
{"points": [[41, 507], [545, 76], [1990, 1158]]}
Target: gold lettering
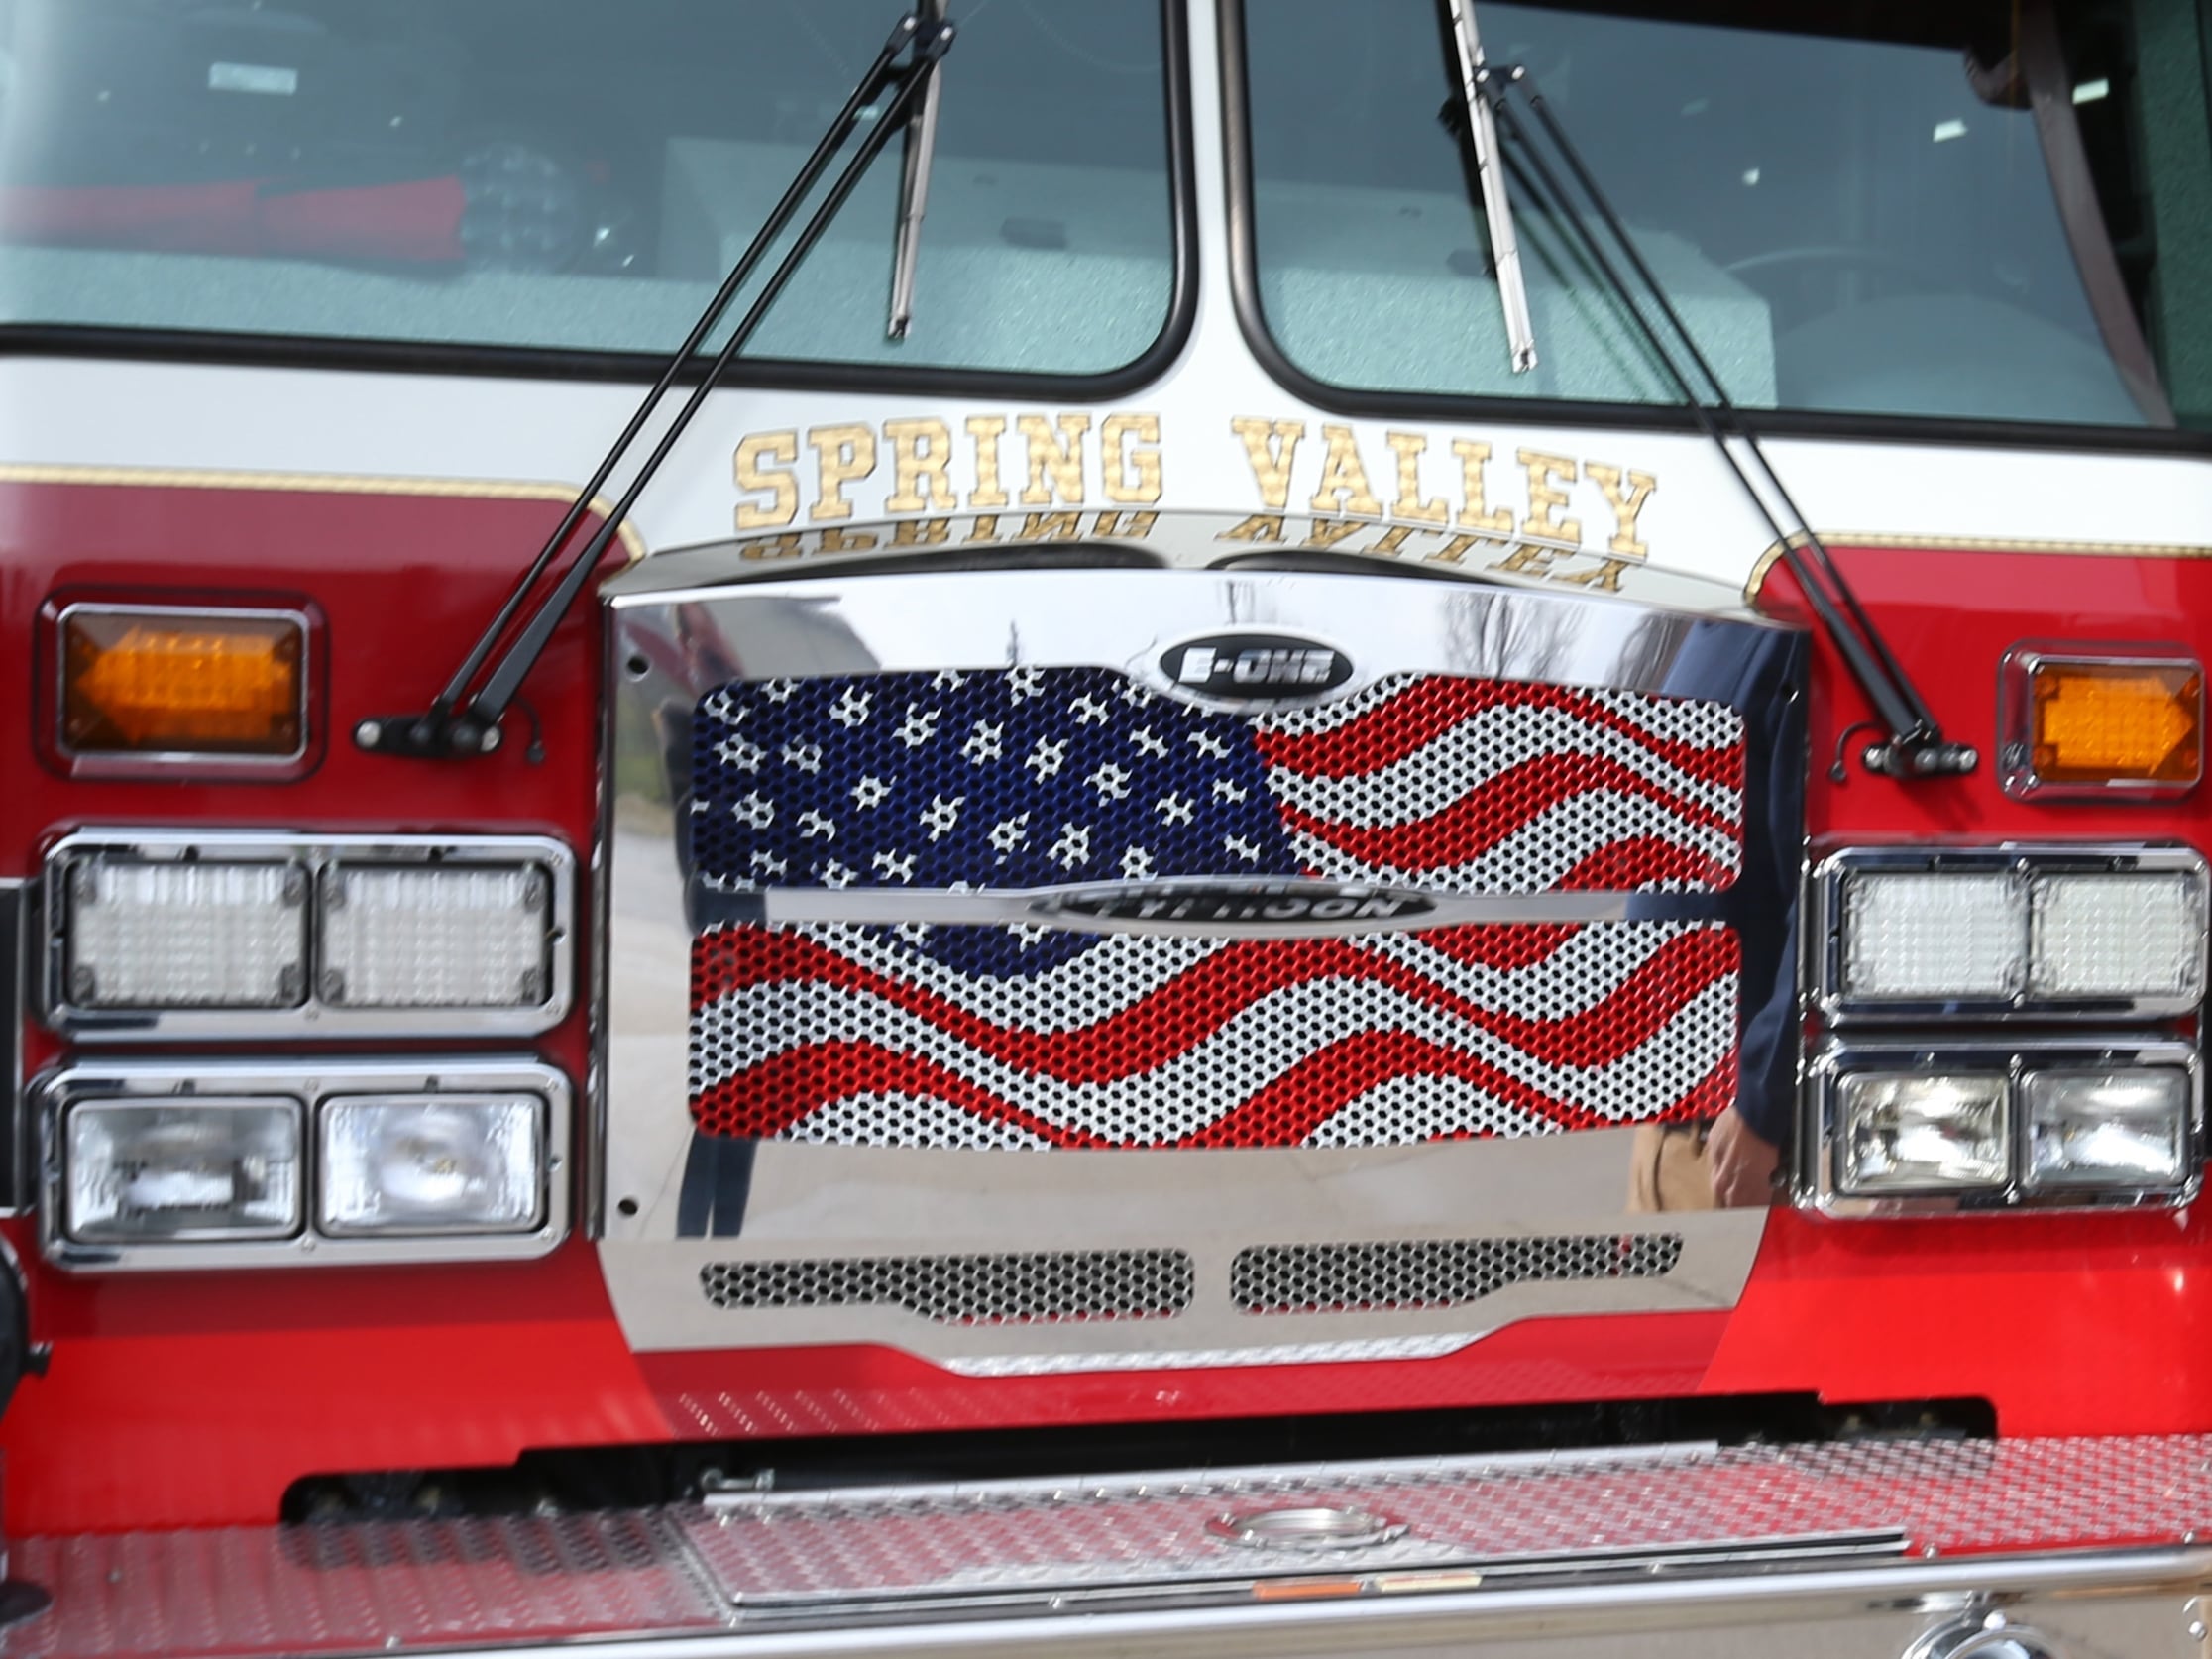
{"points": [[1270, 446], [921, 533], [785, 546], [844, 453], [1456, 550], [985, 431], [1344, 476], [1531, 560], [1627, 504], [1547, 474], [985, 528], [1410, 447], [1260, 527], [781, 448], [848, 541], [1475, 510], [1605, 577], [1130, 526], [1131, 475], [1061, 458], [1327, 532], [921, 450], [1391, 540], [1050, 527]]}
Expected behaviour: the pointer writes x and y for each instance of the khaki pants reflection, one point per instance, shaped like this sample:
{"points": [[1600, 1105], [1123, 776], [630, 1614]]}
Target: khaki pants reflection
{"points": [[1671, 1169]]}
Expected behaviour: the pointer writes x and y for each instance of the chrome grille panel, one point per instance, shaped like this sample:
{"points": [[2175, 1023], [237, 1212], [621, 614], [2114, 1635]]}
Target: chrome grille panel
{"points": [[1434, 1273], [1031, 777], [1030, 1038], [1032, 1287]]}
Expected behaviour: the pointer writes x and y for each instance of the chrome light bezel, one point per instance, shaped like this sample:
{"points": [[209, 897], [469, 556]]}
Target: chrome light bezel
{"points": [[314, 1016], [312, 1083], [1819, 1184], [1824, 931]]}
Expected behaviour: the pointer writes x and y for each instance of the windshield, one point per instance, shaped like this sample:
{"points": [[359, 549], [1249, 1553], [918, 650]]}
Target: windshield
{"points": [[1847, 224], [575, 174]]}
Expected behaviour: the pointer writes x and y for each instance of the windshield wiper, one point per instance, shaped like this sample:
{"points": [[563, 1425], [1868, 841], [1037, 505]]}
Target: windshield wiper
{"points": [[1916, 746], [457, 725], [913, 190], [1490, 182]]}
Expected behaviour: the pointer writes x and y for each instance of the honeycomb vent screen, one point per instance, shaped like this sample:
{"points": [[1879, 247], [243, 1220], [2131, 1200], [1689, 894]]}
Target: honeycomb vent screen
{"points": [[1024, 1037], [1035, 777], [1434, 1273], [1036, 1288]]}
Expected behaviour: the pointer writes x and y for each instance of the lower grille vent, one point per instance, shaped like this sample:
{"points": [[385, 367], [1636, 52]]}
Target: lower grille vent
{"points": [[1036, 1288], [1434, 1273]]}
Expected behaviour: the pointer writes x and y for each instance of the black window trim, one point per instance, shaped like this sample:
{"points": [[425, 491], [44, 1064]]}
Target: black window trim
{"points": [[1244, 285], [534, 363]]}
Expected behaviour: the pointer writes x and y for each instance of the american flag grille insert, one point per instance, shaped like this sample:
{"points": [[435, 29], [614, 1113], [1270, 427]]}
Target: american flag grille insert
{"points": [[1020, 1037], [1033, 1288], [1434, 1273], [1038, 777]]}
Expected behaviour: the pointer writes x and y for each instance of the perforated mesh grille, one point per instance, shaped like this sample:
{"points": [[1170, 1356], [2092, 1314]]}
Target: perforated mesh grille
{"points": [[1015, 1036], [1434, 1273], [1033, 777], [1037, 1287]]}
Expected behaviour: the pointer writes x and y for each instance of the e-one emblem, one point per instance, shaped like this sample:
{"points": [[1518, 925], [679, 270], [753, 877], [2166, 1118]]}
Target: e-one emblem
{"points": [[1255, 665]]}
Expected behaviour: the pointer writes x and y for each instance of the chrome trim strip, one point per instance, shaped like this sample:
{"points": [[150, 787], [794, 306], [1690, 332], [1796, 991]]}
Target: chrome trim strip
{"points": [[2016, 677], [1824, 931], [1821, 1180], [313, 1082], [184, 760], [314, 1017], [1869, 1608], [18, 1154]]}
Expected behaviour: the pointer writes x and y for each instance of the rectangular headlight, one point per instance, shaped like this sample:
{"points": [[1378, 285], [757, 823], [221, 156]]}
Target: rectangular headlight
{"points": [[2118, 935], [2111, 1129], [2004, 929], [140, 1174], [436, 936], [153, 934], [1905, 1132], [1932, 937], [432, 1163]]}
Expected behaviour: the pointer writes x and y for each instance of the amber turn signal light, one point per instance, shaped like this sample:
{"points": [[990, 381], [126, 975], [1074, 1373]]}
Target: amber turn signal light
{"points": [[159, 681], [2121, 723]]}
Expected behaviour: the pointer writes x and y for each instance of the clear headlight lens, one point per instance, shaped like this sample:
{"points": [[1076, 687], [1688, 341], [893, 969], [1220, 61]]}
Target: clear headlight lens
{"points": [[424, 1164], [456, 936], [2118, 935], [1933, 937], [1902, 1132], [142, 1174], [186, 935], [2108, 1129]]}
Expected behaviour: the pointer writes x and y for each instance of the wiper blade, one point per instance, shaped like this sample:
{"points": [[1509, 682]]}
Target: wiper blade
{"points": [[913, 189], [1916, 746], [1490, 182], [457, 725]]}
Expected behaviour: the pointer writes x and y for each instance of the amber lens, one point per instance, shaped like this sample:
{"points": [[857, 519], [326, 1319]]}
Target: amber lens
{"points": [[2118, 722], [178, 682]]}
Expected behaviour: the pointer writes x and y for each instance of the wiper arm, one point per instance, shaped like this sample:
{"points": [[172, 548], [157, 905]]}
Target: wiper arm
{"points": [[1490, 182], [913, 189], [456, 724], [1916, 746]]}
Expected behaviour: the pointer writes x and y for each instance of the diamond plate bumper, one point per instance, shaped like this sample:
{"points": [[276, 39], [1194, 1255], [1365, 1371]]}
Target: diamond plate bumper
{"points": [[2081, 1546]]}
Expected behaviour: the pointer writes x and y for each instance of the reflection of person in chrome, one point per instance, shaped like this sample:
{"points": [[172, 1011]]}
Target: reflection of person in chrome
{"points": [[1735, 1159]]}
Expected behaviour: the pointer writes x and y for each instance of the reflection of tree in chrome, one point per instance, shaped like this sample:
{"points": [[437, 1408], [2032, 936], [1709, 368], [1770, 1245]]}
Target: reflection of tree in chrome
{"points": [[1522, 637]]}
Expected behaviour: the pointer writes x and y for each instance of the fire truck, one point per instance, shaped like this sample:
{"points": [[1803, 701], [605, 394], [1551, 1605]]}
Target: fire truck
{"points": [[1244, 825]]}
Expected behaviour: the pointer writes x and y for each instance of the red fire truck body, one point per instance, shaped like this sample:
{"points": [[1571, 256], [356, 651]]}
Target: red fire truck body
{"points": [[1271, 921]]}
